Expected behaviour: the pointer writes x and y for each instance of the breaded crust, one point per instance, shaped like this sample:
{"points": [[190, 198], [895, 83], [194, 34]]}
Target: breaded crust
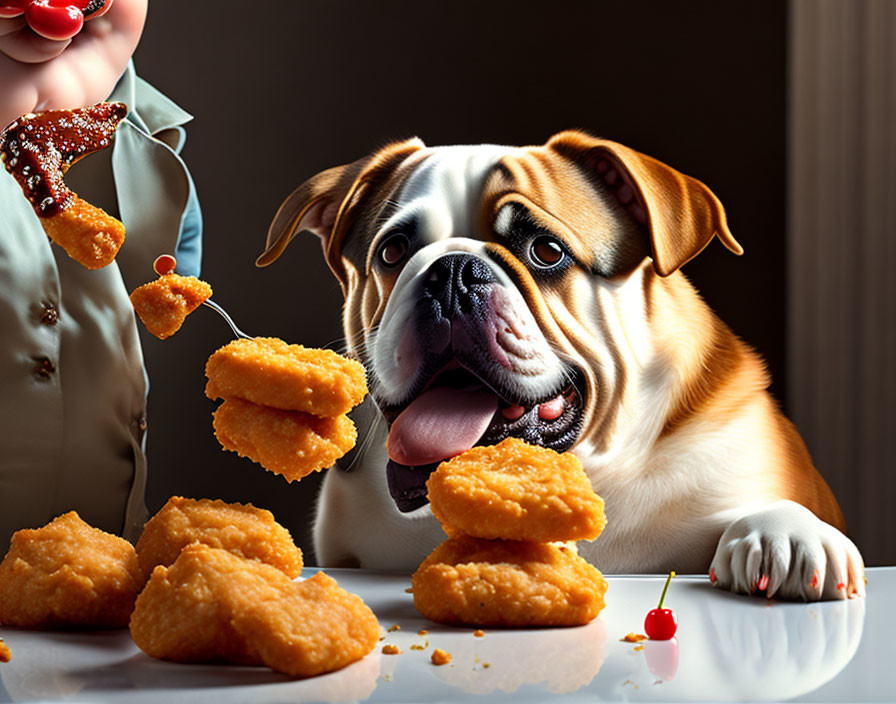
{"points": [[212, 606], [516, 491], [242, 529], [289, 443], [88, 234], [469, 581], [165, 303], [68, 574], [269, 372]]}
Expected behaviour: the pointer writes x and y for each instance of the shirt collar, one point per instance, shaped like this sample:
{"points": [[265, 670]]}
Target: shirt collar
{"points": [[148, 109]]}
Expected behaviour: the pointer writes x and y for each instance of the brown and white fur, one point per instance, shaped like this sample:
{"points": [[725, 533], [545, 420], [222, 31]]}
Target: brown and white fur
{"points": [[667, 409]]}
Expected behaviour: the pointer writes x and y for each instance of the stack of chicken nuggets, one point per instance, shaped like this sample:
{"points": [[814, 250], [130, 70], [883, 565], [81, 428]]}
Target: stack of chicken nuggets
{"points": [[513, 512], [284, 405]]}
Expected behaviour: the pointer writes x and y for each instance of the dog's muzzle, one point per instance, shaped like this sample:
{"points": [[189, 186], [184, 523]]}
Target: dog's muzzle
{"points": [[480, 379]]}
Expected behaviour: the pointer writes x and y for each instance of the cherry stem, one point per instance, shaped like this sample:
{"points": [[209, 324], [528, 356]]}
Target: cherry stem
{"points": [[665, 589]]}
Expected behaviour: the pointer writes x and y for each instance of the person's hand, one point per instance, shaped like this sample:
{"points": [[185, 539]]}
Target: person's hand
{"points": [[40, 74]]}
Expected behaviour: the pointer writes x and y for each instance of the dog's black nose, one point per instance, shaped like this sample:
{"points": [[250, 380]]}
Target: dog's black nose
{"points": [[454, 280]]}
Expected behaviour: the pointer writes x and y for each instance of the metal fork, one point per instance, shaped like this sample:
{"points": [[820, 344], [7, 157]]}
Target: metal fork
{"points": [[223, 313]]}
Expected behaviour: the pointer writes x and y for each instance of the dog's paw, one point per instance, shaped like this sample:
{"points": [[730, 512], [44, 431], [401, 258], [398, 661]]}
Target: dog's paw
{"points": [[785, 550]]}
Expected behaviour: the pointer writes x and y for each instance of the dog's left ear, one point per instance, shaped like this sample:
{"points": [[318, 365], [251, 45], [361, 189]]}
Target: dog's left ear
{"points": [[323, 204], [682, 215]]}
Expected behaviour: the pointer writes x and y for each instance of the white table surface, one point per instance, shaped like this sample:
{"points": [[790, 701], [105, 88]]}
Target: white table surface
{"points": [[727, 648]]}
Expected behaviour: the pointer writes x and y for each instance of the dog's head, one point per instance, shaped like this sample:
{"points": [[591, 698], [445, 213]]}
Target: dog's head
{"points": [[484, 285]]}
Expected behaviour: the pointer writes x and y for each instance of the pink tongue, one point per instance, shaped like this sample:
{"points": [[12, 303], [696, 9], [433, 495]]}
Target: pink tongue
{"points": [[440, 423]]}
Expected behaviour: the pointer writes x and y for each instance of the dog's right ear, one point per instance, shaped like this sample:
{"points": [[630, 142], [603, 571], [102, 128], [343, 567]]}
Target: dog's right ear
{"points": [[323, 205]]}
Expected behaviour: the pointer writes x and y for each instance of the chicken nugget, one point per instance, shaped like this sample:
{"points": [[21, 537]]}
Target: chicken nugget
{"points": [[68, 574], [269, 372], [242, 529], [516, 491], [289, 443], [5, 655], [164, 304], [212, 606], [88, 234], [474, 582]]}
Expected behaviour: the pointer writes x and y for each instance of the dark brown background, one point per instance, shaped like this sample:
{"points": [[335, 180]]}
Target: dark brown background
{"points": [[285, 89]]}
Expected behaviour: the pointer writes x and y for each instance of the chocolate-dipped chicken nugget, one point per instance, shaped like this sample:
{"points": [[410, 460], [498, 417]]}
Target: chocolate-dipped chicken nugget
{"points": [[212, 606], [516, 491], [289, 443], [68, 574], [38, 149], [478, 582], [242, 529], [270, 372], [165, 303]]}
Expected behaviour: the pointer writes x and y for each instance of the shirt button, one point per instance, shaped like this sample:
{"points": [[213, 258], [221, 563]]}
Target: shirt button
{"points": [[43, 368], [49, 315]]}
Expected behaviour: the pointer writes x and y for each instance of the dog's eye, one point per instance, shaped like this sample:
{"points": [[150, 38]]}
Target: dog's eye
{"points": [[545, 252], [394, 249]]}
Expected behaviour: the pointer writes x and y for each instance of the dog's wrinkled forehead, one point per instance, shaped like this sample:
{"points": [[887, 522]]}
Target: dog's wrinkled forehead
{"points": [[442, 195]]}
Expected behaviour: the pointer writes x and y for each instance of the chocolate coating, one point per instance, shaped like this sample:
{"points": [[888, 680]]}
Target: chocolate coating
{"points": [[38, 149]]}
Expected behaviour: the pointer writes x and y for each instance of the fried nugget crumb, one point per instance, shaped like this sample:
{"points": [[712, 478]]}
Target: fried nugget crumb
{"points": [[390, 649], [242, 529], [633, 638], [164, 304], [478, 633], [5, 655], [68, 574], [440, 657], [486, 665], [394, 628], [409, 590], [418, 647], [422, 632], [638, 648]]}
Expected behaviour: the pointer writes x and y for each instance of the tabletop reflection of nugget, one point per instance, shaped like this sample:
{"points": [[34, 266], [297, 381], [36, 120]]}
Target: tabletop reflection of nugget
{"points": [[212, 606], [242, 529], [68, 574], [284, 405]]}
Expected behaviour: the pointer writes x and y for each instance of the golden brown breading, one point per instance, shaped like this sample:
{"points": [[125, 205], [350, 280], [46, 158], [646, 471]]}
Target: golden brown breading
{"points": [[289, 443], [88, 234], [239, 528], [212, 606], [469, 581], [516, 491], [68, 574], [165, 303], [5, 655], [269, 372]]}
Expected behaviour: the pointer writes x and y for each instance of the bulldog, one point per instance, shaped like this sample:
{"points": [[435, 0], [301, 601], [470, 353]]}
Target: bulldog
{"points": [[536, 292]]}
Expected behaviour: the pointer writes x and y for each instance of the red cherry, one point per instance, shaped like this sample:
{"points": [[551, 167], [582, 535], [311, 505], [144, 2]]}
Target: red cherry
{"points": [[164, 264], [54, 21], [660, 623]]}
